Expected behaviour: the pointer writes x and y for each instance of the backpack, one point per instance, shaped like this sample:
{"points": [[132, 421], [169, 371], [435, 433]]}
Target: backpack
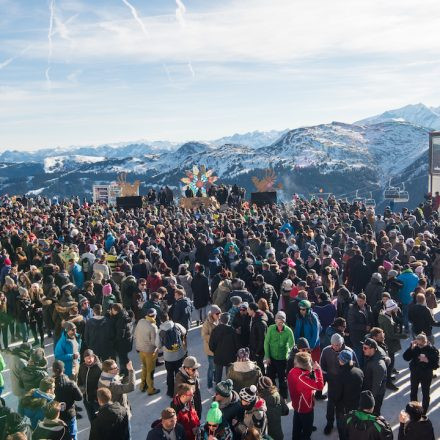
{"points": [[85, 265], [172, 339]]}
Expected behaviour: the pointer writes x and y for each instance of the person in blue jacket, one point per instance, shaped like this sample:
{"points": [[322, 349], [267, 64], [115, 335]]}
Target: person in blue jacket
{"points": [[77, 274], [410, 281], [307, 326], [109, 242], [67, 349]]}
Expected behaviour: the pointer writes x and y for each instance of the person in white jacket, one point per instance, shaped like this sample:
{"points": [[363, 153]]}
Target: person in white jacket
{"points": [[145, 337]]}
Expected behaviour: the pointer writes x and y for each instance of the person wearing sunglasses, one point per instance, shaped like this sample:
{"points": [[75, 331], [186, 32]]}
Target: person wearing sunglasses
{"points": [[215, 427]]}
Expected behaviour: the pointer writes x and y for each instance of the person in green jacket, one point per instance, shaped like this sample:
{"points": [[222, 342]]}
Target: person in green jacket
{"points": [[278, 342], [2, 367]]}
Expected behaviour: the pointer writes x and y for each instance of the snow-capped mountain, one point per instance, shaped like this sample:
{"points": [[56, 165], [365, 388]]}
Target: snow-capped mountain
{"points": [[336, 157], [254, 139], [417, 114]]}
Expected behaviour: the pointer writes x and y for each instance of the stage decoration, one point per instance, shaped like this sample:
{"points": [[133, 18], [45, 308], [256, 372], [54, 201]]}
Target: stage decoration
{"points": [[266, 184], [199, 202], [198, 178], [128, 189]]}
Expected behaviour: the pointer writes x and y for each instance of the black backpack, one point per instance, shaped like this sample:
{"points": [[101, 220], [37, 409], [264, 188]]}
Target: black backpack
{"points": [[172, 338]]}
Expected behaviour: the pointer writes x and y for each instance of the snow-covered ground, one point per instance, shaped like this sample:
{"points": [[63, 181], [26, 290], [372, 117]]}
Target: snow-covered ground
{"points": [[147, 408]]}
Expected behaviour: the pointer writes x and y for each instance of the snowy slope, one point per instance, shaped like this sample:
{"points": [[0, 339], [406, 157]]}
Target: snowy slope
{"points": [[66, 163], [418, 114]]}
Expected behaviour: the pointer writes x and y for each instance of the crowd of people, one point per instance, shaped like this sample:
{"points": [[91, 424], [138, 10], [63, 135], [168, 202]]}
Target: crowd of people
{"points": [[287, 300]]}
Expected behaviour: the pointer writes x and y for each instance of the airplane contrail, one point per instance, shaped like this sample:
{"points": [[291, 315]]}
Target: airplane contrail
{"points": [[49, 37], [136, 17], [180, 17], [14, 57]]}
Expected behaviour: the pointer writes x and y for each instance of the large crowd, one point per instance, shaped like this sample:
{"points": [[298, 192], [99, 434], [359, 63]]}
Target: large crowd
{"points": [[293, 302]]}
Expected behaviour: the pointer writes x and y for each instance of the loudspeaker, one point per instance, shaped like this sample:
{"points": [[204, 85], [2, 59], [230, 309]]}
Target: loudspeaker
{"points": [[263, 198], [129, 202]]}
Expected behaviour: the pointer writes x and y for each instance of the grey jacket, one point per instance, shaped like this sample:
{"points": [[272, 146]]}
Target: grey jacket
{"points": [[375, 374]]}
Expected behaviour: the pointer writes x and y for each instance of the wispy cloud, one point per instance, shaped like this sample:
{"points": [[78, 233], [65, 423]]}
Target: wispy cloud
{"points": [[9, 60], [136, 17]]}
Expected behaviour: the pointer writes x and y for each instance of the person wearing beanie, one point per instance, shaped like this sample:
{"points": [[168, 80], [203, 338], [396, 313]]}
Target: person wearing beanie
{"points": [[307, 325], [108, 298], [244, 372], [35, 370], [276, 407], [374, 289], [414, 425], [228, 400], [235, 308], [254, 415], [66, 391], [145, 336], [375, 372], [302, 345], [347, 386], [278, 343], [88, 377], [189, 373], [33, 403], [362, 424], [393, 285], [304, 380], [258, 330], [67, 349], [215, 426], [330, 367], [85, 310], [224, 343], [359, 323], [208, 326], [387, 321]]}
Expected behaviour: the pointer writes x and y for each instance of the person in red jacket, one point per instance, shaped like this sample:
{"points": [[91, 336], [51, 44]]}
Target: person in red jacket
{"points": [[186, 413], [154, 280], [303, 380]]}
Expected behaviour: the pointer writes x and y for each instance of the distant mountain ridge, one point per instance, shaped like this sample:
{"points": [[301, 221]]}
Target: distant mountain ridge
{"points": [[335, 157]]}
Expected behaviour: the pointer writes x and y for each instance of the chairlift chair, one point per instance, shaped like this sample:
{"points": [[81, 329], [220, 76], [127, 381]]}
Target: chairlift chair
{"points": [[402, 198], [391, 193], [370, 203], [358, 200]]}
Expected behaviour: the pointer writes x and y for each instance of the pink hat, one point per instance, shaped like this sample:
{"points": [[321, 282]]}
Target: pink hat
{"points": [[7, 262], [107, 289], [387, 265]]}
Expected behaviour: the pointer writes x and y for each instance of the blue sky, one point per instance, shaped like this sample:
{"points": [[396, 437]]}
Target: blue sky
{"points": [[76, 72]]}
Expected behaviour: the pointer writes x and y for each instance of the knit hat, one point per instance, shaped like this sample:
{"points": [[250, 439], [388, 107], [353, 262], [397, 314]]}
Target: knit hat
{"points": [[369, 342], [387, 265], [287, 285], [345, 356], [248, 394], [38, 359], [366, 400], [81, 299], [304, 304], [392, 273], [224, 388], [303, 360], [225, 318], [215, 309], [107, 289], [190, 362], [386, 295], [302, 343], [280, 316], [167, 413], [243, 354], [244, 305], [391, 305], [418, 270], [214, 414], [376, 276], [236, 300], [337, 339], [7, 262], [46, 384], [264, 382]]}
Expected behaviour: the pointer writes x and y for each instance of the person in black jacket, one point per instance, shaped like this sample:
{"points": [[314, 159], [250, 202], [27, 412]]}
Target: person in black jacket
{"points": [[347, 387], [182, 309], [257, 334], [122, 334], [67, 392], [223, 343], [200, 288], [241, 323], [423, 360], [239, 289], [166, 427], [97, 333], [111, 422], [88, 378], [421, 317], [413, 424]]}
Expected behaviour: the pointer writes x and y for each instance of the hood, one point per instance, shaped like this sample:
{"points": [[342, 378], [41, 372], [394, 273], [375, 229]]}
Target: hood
{"points": [[167, 325], [260, 316], [244, 367]]}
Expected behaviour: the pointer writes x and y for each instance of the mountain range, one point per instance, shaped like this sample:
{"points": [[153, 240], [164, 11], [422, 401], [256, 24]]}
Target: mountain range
{"points": [[337, 157]]}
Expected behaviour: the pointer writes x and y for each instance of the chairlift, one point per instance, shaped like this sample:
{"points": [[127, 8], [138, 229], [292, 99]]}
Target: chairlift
{"points": [[358, 200], [391, 193], [403, 195], [370, 203]]}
